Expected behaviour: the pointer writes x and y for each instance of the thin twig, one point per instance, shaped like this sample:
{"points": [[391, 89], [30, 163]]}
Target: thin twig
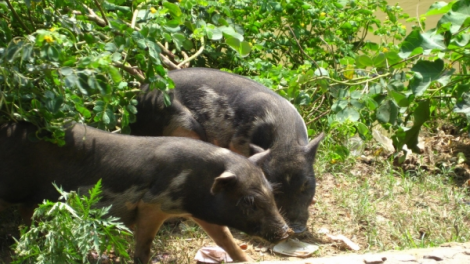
{"points": [[91, 16], [166, 51], [17, 16], [102, 12], [134, 71], [412, 57], [169, 63], [134, 18], [300, 47], [201, 49], [318, 117], [31, 19], [349, 84]]}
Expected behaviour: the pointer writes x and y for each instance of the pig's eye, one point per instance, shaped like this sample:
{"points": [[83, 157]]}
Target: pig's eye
{"points": [[247, 204]]}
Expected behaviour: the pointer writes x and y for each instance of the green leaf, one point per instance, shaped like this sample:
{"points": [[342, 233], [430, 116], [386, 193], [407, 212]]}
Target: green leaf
{"points": [[418, 84], [234, 43], [173, 8], [463, 106], [460, 40], [105, 118], [347, 61], [393, 57], [229, 32], [387, 112], [53, 53], [244, 49], [457, 16], [99, 106], [132, 109], [429, 69], [321, 72], [363, 130], [179, 40], [391, 14], [438, 8], [428, 41], [115, 74], [425, 73], [348, 113], [214, 33], [379, 60], [400, 98], [356, 94], [302, 99], [364, 61], [410, 136], [371, 103]]}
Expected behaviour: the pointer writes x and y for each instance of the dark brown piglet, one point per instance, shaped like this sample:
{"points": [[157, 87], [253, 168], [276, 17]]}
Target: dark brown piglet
{"points": [[147, 180]]}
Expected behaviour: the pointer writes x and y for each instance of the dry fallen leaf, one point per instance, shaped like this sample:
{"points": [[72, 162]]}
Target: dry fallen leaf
{"points": [[345, 240], [212, 255]]}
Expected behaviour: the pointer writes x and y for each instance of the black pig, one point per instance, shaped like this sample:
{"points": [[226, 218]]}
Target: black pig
{"points": [[146, 179]]}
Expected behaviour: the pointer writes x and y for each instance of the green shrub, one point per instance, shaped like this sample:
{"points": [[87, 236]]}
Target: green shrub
{"points": [[66, 232]]}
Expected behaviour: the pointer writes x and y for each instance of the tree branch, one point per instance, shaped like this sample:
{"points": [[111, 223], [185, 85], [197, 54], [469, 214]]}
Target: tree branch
{"points": [[201, 49], [13, 11], [134, 71], [102, 12]]}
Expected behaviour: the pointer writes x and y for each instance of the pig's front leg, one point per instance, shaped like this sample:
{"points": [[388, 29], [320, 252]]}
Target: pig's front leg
{"points": [[148, 222], [224, 239]]}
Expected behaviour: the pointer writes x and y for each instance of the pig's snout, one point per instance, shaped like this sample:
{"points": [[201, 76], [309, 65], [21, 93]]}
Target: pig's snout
{"points": [[282, 233], [287, 232], [298, 229]]}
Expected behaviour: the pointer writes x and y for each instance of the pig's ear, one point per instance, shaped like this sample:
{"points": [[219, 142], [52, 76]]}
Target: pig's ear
{"points": [[256, 158], [225, 180], [255, 149], [312, 146]]}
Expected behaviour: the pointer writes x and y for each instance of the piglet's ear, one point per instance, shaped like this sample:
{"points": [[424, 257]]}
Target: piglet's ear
{"points": [[256, 158], [311, 148], [255, 149], [225, 180]]}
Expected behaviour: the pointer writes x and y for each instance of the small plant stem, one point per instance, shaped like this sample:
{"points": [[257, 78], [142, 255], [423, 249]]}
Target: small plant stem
{"points": [[318, 117], [31, 19], [131, 70], [201, 49], [350, 84], [102, 12], [407, 59], [13, 11], [300, 47]]}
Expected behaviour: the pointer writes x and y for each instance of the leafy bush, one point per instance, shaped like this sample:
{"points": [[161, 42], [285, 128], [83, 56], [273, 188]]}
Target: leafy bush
{"points": [[83, 60], [66, 232]]}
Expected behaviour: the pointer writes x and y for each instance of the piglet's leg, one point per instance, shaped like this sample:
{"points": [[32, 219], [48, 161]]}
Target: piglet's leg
{"points": [[149, 219], [224, 239]]}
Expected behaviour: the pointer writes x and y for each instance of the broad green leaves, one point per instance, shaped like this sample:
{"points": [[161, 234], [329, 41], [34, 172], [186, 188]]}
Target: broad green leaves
{"points": [[457, 16], [417, 43], [425, 73], [64, 66]]}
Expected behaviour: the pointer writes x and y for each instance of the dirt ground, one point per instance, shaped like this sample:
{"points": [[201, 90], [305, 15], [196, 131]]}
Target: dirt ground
{"points": [[451, 253]]}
